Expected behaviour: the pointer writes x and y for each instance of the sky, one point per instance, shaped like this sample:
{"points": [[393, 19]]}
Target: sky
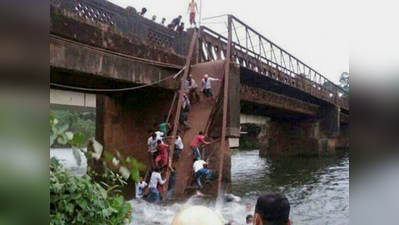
{"points": [[315, 31]]}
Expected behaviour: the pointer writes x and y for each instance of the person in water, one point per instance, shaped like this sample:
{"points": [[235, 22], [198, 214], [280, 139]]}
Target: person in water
{"points": [[200, 169], [207, 86], [273, 209], [155, 180], [140, 188], [249, 219]]}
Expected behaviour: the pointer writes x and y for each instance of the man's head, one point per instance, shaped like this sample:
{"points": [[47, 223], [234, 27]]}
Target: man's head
{"points": [[159, 142], [163, 20], [180, 17], [143, 11], [153, 135], [249, 219], [272, 209], [154, 17], [182, 24], [201, 132], [206, 76], [141, 179]]}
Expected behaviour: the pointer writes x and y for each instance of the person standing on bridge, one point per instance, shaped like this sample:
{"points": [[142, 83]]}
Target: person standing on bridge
{"points": [[207, 86], [200, 138], [193, 9], [175, 22]]}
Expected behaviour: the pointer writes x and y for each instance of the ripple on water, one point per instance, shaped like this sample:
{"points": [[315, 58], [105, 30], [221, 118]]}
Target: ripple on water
{"points": [[318, 190]]}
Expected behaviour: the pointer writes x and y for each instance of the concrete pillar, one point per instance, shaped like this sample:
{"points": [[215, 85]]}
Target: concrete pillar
{"points": [[343, 137], [287, 137], [123, 120], [302, 137]]}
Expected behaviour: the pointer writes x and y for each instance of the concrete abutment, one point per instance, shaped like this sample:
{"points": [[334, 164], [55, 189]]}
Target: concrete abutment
{"points": [[310, 136]]}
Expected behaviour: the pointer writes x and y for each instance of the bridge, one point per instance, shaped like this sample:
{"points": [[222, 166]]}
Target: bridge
{"points": [[131, 68]]}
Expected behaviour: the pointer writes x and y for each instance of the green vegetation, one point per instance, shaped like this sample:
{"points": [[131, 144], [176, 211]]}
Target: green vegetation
{"points": [[82, 200], [77, 122], [344, 80]]}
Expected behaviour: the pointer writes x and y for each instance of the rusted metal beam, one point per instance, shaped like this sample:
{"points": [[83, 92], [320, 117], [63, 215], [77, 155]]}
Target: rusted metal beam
{"points": [[225, 103], [263, 97], [179, 104]]}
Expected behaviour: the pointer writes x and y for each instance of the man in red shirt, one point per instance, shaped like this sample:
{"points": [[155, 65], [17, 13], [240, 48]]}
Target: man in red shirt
{"points": [[195, 143], [162, 156]]}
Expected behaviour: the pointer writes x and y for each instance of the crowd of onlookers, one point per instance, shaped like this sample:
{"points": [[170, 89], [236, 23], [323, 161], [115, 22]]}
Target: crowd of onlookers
{"points": [[176, 23]]}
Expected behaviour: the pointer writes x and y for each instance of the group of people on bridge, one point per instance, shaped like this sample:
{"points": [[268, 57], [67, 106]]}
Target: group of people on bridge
{"points": [[159, 142], [176, 23]]}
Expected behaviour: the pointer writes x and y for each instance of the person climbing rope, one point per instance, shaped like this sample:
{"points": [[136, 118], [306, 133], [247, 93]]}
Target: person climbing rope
{"points": [[199, 138]]}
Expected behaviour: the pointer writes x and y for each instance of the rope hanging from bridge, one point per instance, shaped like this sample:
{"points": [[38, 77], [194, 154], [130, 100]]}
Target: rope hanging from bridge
{"points": [[116, 89]]}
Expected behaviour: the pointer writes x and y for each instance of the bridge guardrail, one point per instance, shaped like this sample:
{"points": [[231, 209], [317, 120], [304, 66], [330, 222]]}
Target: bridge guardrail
{"points": [[265, 57]]}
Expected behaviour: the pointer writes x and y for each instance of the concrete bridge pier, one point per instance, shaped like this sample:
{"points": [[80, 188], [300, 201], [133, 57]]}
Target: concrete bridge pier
{"points": [[123, 119], [309, 136]]}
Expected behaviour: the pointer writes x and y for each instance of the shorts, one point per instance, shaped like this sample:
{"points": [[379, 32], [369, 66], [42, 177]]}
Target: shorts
{"points": [[192, 17], [177, 152], [208, 93]]}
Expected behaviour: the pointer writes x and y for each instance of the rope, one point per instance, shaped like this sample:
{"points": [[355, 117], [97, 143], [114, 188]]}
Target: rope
{"points": [[117, 89]]}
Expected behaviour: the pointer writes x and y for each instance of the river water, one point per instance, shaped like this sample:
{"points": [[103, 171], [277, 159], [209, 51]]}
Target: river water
{"points": [[317, 188]]}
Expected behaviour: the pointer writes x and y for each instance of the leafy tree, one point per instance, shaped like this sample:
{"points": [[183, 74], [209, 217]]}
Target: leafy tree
{"points": [[344, 80]]}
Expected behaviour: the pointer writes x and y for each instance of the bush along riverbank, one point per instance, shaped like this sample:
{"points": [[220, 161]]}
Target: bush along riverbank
{"points": [[96, 197]]}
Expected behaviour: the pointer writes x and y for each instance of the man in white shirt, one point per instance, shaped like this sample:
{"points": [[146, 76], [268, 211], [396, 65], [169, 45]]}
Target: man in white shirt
{"points": [[140, 187], [207, 86], [179, 146], [200, 170], [193, 9], [154, 181], [152, 146]]}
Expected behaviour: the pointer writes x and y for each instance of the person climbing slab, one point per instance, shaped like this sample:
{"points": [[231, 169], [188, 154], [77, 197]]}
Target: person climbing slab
{"points": [[200, 170], [179, 146], [194, 145], [191, 89], [162, 158], [207, 86]]}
